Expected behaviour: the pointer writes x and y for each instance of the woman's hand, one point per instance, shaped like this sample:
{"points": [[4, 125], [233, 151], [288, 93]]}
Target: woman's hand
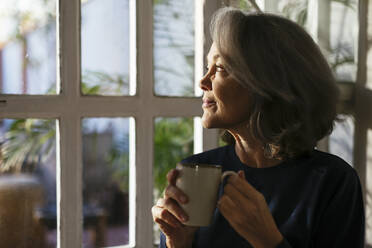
{"points": [[247, 212], [169, 215]]}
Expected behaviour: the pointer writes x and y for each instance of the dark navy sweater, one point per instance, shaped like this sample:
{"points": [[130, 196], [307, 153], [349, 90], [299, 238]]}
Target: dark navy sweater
{"points": [[315, 199]]}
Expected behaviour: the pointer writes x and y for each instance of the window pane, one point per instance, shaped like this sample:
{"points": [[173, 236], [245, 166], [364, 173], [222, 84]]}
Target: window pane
{"points": [[173, 141], [28, 47], [105, 47], [296, 10], [341, 141], [28, 183], [343, 39], [105, 181], [241, 4], [225, 138], [174, 47]]}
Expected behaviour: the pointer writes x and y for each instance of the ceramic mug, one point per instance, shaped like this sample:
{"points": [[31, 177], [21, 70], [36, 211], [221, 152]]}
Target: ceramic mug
{"points": [[200, 182]]}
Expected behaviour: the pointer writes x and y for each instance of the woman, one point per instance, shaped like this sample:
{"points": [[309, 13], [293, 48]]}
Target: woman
{"points": [[271, 89]]}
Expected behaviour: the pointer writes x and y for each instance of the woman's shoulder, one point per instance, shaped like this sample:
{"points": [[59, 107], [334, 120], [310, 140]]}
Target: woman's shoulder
{"points": [[332, 166], [330, 161], [214, 156]]}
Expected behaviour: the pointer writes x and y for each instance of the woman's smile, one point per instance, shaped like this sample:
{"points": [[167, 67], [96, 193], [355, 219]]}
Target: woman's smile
{"points": [[207, 103]]}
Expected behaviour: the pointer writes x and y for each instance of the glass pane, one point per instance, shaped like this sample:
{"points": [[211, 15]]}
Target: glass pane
{"points": [[296, 10], [225, 138], [343, 39], [341, 141], [292, 9], [105, 47], [28, 47], [105, 181], [174, 47], [241, 4], [28, 183], [173, 141]]}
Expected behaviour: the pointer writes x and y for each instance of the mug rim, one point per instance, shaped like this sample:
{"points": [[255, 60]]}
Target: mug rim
{"points": [[194, 165]]}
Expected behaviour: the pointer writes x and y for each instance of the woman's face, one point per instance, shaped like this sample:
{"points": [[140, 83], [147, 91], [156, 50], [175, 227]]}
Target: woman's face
{"points": [[225, 102]]}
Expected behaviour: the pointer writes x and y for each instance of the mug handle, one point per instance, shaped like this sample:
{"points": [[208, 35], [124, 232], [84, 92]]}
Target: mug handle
{"points": [[227, 173]]}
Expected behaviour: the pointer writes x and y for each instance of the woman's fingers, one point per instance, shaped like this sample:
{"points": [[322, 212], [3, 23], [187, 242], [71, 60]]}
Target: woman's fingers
{"points": [[243, 186], [236, 196], [167, 212], [227, 206], [161, 215], [173, 207], [172, 191], [172, 176], [165, 227]]}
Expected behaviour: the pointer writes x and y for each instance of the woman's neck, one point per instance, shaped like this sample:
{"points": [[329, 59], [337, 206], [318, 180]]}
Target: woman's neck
{"points": [[251, 153]]}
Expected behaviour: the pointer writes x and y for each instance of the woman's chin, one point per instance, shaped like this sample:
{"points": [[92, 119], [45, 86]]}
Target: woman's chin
{"points": [[208, 123]]}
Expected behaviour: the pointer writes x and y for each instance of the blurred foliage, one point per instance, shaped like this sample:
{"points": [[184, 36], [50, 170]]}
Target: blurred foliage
{"points": [[118, 161], [297, 11], [101, 83], [172, 45], [161, 2], [243, 4], [26, 143], [348, 3], [26, 20], [173, 142]]}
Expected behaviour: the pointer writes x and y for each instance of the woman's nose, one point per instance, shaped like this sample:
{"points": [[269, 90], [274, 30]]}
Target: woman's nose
{"points": [[205, 83]]}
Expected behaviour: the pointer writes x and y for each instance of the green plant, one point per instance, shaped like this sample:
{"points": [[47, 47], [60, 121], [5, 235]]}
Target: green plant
{"points": [[27, 142], [297, 11], [173, 142], [118, 160], [102, 83]]}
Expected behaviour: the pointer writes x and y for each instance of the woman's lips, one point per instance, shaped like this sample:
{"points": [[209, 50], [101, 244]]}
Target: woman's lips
{"points": [[208, 103]]}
